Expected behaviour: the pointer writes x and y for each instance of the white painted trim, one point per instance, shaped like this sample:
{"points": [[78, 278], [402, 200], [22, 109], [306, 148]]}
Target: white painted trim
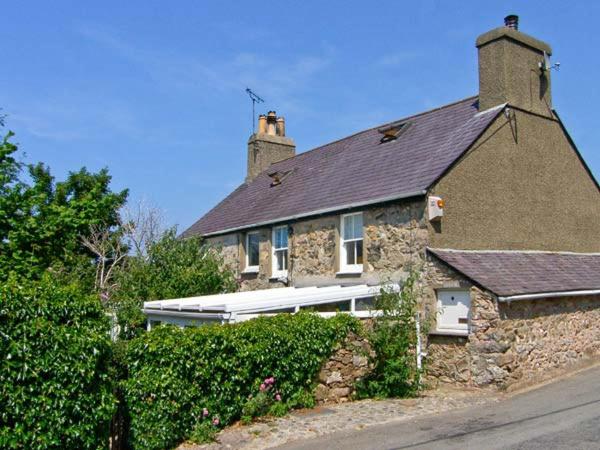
{"points": [[277, 274], [349, 268], [154, 314], [448, 332], [512, 298], [318, 212]]}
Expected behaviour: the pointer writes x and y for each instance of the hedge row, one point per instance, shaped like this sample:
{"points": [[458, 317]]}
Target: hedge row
{"points": [[178, 376], [55, 350]]}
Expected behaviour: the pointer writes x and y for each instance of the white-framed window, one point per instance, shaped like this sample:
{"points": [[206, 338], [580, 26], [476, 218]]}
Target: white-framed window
{"points": [[252, 252], [453, 306], [351, 243], [279, 244]]}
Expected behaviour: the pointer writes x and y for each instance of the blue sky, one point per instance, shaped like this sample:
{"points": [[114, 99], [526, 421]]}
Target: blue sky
{"points": [[154, 90]]}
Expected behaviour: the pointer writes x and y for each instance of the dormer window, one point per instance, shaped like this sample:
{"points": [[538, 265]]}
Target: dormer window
{"points": [[351, 243], [392, 131], [280, 251]]}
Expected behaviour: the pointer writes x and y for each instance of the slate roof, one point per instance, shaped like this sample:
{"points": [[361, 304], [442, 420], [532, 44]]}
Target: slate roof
{"points": [[354, 171], [507, 273]]}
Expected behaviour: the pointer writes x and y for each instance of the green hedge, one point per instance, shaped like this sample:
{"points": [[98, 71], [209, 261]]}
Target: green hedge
{"points": [[55, 389], [175, 373]]}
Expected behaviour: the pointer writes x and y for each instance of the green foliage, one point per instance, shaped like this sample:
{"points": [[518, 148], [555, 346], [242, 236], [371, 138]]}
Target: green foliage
{"points": [[394, 339], [42, 221], [267, 401], [55, 388], [302, 399], [203, 432], [171, 268], [172, 370]]}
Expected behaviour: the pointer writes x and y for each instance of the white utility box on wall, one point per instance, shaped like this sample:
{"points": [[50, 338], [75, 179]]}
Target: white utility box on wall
{"points": [[453, 310], [435, 205]]}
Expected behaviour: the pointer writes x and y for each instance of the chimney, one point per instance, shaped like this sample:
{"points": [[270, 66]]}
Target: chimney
{"points": [[268, 145], [513, 69]]}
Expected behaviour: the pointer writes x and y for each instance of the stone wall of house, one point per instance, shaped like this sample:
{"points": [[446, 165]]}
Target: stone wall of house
{"points": [[394, 235], [521, 341], [349, 364], [524, 340]]}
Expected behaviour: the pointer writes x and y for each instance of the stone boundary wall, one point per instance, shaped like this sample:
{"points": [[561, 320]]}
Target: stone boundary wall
{"points": [[349, 363]]}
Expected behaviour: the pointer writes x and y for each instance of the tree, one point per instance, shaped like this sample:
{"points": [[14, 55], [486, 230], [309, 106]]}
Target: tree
{"points": [[42, 220], [168, 267]]}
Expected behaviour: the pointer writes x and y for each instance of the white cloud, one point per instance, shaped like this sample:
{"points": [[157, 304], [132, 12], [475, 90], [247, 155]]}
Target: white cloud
{"points": [[396, 59], [280, 79]]}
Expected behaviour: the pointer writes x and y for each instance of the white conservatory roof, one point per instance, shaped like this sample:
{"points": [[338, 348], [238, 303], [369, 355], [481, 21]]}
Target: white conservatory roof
{"points": [[264, 301]]}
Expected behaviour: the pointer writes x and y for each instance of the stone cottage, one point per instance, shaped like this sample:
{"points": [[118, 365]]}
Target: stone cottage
{"points": [[488, 195]]}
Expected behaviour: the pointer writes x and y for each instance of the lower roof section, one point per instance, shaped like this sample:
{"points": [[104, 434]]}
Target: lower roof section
{"points": [[514, 275], [259, 301]]}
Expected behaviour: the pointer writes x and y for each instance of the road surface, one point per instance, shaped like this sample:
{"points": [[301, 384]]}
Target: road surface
{"points": [[561, 415]]}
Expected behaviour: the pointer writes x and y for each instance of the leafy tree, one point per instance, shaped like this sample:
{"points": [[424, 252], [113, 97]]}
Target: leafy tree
{"points": [[42, 220], [168, 267]]}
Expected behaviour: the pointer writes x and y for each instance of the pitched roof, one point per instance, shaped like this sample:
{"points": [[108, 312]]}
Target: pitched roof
{"points": [[354, 171], [508, 273]]}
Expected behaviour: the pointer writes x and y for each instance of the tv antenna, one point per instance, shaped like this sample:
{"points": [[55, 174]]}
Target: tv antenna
{"points": [[255, 99]]}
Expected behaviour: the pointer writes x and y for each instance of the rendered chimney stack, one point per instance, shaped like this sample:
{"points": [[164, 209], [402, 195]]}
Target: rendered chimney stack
{"points": [[512, 21], [509, 69], [262, 124], [271, 123], [268, 145], [280, 128]]}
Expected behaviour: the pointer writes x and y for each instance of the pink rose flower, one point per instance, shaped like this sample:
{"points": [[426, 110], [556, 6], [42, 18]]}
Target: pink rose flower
{"points": [[216, 422], [278, 397], [263, 387], [204, 412]]}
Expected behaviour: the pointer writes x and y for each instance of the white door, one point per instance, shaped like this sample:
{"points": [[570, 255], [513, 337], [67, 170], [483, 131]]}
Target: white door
{"points": [[453, 309]]}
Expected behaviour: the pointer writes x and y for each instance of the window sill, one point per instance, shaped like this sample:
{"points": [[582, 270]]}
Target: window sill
{"points": [[449, 332], [279, 276], [250, 270], [347, 272]]}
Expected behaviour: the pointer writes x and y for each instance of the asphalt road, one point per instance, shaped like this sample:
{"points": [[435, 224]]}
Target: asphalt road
{"points": [[561, 415]]}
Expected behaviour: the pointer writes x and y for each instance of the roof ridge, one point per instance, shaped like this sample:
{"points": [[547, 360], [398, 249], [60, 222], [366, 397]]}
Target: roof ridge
{"points": [[402, 119]]}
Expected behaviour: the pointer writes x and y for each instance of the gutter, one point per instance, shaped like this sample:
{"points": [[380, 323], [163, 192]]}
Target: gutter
{"points": [[318, 212], [187, 315], [512, 298]]}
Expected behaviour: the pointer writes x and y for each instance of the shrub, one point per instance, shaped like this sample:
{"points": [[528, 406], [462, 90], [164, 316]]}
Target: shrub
{"points": [[170, 268], [267, 401], [55, 388], [394, 339], [172, 371]]}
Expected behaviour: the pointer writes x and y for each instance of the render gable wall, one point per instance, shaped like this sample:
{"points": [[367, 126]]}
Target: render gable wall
{"points": [[520, 187]]}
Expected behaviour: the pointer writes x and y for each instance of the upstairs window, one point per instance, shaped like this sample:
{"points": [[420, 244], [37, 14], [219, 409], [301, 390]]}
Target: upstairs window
{"points": [[280, 251], [252, 252], [351, 243]]}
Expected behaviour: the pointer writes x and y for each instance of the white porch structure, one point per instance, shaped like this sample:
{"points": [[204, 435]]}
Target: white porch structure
{"points": [[357, 300]]}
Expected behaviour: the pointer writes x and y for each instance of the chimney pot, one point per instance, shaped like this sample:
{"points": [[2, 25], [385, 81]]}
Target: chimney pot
{"points": [[280, 127], [262, 124], [271, 123], [512, 21]]}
